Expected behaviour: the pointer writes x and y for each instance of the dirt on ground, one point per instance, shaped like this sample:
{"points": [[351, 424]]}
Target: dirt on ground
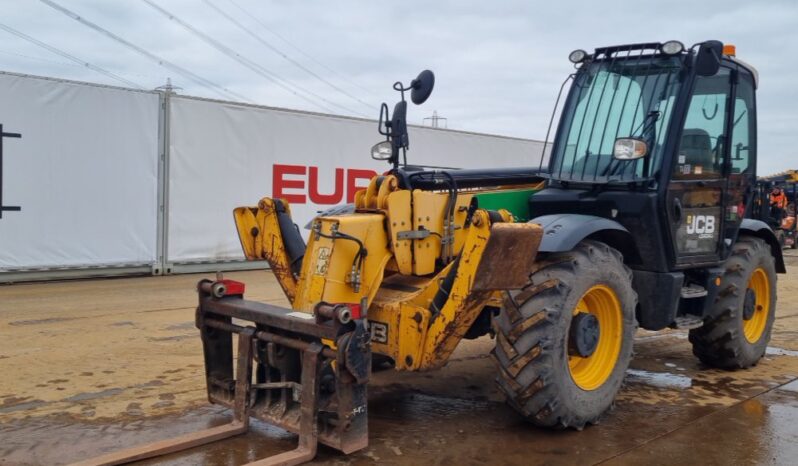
{"points": [[96, 365]]}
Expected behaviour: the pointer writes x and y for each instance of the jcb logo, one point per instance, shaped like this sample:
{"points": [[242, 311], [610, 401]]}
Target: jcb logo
{"points": [[701, 225]]}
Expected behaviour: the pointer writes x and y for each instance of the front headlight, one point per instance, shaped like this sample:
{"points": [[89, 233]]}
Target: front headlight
{"points": [[382, 150], [629, 149]]}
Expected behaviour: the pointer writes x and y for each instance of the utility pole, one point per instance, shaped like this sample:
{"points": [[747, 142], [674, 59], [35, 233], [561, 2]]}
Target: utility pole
{"points": [[435, 120], [168, 87]]}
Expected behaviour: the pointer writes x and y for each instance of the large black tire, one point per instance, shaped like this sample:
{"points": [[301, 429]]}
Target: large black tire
{"points": [[727, 339], [532, 336]]}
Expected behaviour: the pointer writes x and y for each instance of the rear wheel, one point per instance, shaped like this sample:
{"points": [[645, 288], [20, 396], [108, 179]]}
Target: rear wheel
{"points": [[564, 342], [738, 331]]}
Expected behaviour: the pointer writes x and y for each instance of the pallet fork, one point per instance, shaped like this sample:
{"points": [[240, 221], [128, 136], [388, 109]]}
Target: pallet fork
{"points": [[310, 374]]}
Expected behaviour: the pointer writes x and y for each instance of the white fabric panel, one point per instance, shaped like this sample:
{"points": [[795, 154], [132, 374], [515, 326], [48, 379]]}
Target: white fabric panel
{"points": [[84, 173], [224, 155]]}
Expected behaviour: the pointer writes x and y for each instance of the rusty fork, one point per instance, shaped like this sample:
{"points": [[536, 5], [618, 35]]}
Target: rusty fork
{"points": [[308, 435], [292, 358]]}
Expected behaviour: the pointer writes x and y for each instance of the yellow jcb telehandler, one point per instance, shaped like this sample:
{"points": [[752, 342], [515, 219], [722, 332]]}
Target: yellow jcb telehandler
{"points": [[638, 218]]}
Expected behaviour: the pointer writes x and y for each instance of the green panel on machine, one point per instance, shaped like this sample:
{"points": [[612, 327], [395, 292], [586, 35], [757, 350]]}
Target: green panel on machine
{"points": [[516, 201]]}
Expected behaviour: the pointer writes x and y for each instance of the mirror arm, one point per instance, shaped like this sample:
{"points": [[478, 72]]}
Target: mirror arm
{"points": [[394, 156], [398, 86]]}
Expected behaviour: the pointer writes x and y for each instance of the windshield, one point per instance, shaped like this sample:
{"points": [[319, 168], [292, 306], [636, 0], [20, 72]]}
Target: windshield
{"points": [[612, 98]]}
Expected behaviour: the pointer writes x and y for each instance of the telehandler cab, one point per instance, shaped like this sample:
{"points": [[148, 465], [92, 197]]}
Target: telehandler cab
{"points": [[637, 219]]}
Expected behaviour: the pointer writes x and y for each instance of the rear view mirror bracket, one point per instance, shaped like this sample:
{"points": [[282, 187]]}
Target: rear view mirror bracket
{"points": [[707, 58]]}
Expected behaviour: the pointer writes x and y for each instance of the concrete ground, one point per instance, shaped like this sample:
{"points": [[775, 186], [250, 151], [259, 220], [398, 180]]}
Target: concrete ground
{"points": [[92, 366]]}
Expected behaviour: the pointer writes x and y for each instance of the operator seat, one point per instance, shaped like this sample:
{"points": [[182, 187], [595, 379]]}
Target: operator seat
{"points": [[696, 146]]}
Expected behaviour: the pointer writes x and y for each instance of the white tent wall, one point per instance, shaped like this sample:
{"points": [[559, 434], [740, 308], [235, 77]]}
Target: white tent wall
{"points": [[85, 174], [116, 181], [223, 155]]}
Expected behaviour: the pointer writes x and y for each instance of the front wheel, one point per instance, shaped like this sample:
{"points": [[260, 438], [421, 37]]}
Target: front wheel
{"points": [[564, 342], [738, 330]]}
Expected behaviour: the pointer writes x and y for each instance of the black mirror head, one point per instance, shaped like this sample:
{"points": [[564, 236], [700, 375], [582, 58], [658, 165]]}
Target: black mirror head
{"points": [[707, 60], [422, 87]]}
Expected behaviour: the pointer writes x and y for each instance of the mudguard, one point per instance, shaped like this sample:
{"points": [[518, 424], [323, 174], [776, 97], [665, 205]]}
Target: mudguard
{"points": [[762, 230], [562, 232]]}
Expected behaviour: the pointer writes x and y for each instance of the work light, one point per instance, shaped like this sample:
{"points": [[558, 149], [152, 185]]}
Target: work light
{"points": [[672, 47], [577, 56], [382, 150]]}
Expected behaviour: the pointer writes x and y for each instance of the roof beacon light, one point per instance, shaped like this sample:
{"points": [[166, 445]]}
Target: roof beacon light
{"points": [[730, 50], [577, 56], [672, 47]]}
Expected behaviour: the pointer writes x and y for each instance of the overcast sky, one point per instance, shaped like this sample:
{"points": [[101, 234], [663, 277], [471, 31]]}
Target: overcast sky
{"points": [[498, 64]]}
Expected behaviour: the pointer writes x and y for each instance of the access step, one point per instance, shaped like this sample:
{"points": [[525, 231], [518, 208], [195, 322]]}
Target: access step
{"points": [[693, 291], [688, 322]]}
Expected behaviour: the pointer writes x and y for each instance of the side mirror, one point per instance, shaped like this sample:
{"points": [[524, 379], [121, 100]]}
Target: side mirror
{"points": [[422, 87], [382, 150], [707, 60], [629, 149]]}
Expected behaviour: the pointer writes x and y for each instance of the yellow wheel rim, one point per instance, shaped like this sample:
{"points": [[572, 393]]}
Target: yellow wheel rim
{"points": [[754, 327], [590, 373]]}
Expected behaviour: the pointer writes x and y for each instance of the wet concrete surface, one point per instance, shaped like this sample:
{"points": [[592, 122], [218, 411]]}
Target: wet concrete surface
{"points": [[94, 366]]}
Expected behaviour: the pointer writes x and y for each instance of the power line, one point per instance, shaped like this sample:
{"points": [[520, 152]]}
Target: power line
{"points": [[78, 65], [42, 59], [161, 61], [66, 55], [285, 56], [305, 54], [247, 62]]}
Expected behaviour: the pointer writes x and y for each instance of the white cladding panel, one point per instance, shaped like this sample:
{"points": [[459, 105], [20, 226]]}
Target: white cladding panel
{"points": [[224, 155], [85, 174]]}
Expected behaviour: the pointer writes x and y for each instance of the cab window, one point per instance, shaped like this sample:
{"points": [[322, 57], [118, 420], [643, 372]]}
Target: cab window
{"points": [[701, 152], [743, 141]]}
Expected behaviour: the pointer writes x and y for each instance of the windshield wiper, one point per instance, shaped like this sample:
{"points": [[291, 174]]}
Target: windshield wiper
{"points": [[649, 124]]}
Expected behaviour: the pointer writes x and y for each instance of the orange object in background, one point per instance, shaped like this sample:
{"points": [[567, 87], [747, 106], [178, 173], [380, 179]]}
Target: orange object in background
{"points": [[778, 200], [788, 223]]}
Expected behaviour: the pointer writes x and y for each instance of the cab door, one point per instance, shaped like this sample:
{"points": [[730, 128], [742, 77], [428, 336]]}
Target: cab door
{"points": [[696, 192], [741, 189]]}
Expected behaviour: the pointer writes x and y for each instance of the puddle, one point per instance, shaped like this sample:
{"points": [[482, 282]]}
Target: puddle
{"points": [[125, 323], [94, 395], [51, 320], [790, 387], [659, 379], [773, 351], [21, 406], [172, 338], [182, 326]]}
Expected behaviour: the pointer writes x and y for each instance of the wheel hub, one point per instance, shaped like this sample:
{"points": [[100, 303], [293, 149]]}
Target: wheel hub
{"points": [[749, 304], [583, 335]]}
